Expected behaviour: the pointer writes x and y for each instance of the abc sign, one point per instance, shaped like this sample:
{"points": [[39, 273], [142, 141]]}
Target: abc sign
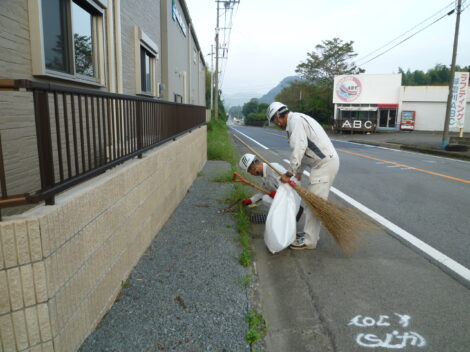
{"points": [[357, 124]]}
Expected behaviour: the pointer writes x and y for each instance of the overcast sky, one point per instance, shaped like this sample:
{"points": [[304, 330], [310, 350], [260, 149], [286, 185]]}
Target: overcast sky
{"points": [[270, 38]]}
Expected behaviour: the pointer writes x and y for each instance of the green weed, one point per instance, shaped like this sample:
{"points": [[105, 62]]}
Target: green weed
{"points": [[219, 145], [256, 327]]}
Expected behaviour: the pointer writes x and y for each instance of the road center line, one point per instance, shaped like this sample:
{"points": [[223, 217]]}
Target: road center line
{"points": [[249, 138], [403, 165]]}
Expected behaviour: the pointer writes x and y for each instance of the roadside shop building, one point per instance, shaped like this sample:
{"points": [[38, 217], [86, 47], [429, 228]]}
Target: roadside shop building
{"points": [[378, 102]]}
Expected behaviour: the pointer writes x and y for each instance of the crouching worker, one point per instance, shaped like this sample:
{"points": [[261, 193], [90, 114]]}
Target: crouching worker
{"points": [[271, 180]]}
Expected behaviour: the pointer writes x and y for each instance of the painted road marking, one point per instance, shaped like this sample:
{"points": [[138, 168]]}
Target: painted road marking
{"points": [[448, 262], [403, 165], [391, 162], [451, 264], [432, 252], [402, 151], [249, 138]]}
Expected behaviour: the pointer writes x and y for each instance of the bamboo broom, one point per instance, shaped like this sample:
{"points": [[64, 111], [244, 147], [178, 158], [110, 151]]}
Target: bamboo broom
{"points": [[344, 224]]}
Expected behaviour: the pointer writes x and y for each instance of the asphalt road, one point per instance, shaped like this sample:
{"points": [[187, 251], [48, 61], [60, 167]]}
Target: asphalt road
{"points": [[389, 294]]}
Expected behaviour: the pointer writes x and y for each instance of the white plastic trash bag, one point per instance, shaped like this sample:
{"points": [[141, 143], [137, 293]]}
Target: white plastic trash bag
{"points": [[281, 223]]}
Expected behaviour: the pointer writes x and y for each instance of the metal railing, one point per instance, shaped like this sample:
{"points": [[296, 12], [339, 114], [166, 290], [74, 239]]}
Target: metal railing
{"points": [[81, 133]]}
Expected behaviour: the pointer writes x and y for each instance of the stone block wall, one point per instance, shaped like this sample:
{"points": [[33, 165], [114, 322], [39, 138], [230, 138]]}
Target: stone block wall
{"points": [[61, 266]]}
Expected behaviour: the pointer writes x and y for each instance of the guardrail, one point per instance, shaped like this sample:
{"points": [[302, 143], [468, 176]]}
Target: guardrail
{"points": [[82, 133]]}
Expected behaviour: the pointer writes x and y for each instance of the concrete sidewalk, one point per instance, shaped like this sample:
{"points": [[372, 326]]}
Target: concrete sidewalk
{"points": [[422, 142], [186, 292]]}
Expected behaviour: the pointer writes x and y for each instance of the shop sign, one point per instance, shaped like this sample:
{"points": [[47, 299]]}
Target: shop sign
{"points": [[348, 88], [178, 18], [459, 99], [357, 124]]}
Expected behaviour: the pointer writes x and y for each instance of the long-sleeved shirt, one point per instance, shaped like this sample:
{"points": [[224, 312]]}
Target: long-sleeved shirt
{"points": [[309, 143], [271, 182]]}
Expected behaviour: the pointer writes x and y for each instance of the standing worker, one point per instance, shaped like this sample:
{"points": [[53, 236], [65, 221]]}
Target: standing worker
{"points": [[312, 150]]}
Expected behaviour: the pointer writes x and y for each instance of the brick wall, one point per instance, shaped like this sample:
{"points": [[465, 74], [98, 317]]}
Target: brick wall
{"points": [[61, 266]]}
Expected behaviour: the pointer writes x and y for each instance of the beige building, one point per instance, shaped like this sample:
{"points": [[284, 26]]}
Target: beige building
{"points": [[112, 89]]}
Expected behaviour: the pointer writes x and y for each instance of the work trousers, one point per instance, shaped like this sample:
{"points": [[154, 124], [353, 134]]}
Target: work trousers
{"points": [[320, 181]]}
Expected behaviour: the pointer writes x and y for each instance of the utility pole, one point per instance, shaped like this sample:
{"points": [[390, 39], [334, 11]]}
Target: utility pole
{"points": [[216, 77], [445, 135], [212, 76]]}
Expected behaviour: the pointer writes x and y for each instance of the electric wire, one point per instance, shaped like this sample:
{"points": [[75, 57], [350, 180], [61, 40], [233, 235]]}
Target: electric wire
{"points": [[406, 32], [407, 38]]}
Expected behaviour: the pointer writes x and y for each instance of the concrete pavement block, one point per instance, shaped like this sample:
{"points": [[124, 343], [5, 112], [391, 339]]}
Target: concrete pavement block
{"points": [[8, 245], [4, 301], [22, 242], [44, 323], [7, 333], [34, 234], [32, 325], [16, 291], [21, 334], [40, 282], [27, 280]]}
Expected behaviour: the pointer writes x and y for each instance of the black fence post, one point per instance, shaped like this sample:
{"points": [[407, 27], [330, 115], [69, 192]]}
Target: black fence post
{"points": [[44, 141], [139, 127]]}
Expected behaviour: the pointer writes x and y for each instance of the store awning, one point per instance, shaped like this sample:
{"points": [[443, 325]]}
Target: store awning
{"points": [[358, 108], [387, 106]]}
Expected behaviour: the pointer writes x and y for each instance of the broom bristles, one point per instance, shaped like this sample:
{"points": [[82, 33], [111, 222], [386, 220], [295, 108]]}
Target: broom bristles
{"points": [[344, 224]]}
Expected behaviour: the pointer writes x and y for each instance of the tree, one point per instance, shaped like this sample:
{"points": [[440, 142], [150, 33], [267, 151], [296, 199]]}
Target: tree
{"points": [[308, 99], [83, 55], [438, 75], [251, 106], [329, 59]]}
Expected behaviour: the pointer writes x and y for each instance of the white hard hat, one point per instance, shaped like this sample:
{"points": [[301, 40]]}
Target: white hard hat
{"points": [[246, 161], [275, 108]]}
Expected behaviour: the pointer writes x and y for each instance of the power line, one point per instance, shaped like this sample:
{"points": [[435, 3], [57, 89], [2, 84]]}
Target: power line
{"points": [[409, 30], [409, 37]]}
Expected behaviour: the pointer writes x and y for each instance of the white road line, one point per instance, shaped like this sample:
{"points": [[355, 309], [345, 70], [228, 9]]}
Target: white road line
{"points": [[451, 264], [392, 166], [249, 138]]}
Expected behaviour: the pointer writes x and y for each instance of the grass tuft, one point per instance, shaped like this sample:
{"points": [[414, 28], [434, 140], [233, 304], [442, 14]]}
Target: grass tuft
{"points": [[219, 145], [256, 327]]}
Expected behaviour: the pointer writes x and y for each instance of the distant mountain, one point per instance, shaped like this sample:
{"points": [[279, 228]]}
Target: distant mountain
{"points": [[269, 97], [237, 99]]}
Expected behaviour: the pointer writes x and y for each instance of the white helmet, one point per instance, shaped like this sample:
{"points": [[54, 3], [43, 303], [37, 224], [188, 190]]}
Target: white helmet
{"points": [[275, 108], [246, 161]]}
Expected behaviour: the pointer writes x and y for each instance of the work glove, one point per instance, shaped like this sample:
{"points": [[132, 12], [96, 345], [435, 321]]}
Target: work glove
{"points": [[247, 201], [272, 194]]}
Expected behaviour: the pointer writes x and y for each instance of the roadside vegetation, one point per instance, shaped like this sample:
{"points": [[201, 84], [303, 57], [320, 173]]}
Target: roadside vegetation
{"points": [[220, 147]]}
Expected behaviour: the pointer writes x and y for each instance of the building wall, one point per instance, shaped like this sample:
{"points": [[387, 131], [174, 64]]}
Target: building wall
{"points": [[17, 127], [61, 266], [146, 15], [181, 75], [430, 102]]}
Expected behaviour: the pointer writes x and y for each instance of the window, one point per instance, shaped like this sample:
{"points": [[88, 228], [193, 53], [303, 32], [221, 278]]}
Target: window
{"points": [[70, 36], [178, 98], [146, 52], [146, 59]]}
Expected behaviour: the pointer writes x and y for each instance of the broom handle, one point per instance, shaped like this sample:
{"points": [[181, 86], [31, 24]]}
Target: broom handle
{"points": [[258, 155], [242, 180]]}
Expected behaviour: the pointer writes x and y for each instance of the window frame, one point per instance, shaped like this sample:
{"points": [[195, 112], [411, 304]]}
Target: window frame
{"points": [[144, 43], [97, 10]]}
